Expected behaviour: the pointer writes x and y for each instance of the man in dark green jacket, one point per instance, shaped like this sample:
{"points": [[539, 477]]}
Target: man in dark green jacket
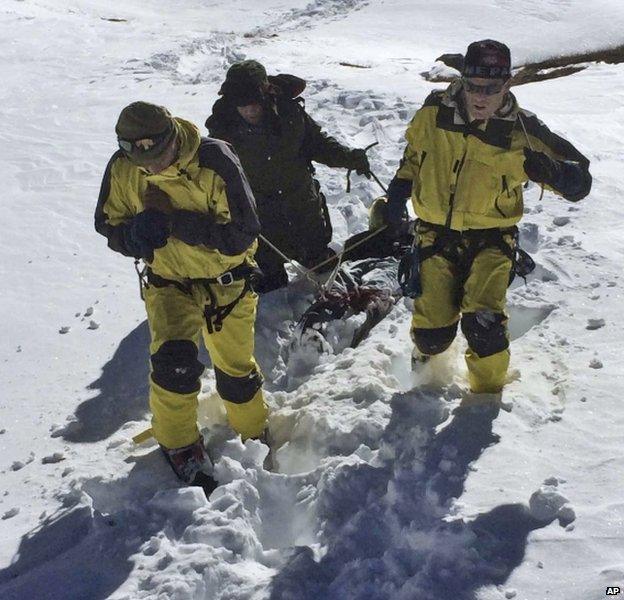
{"points": [[276, 140]]}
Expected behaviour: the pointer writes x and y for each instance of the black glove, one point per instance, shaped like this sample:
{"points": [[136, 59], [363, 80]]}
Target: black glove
{"points": [[394, 214], [190, 227], [398, 192], [146, 232], [540, 168], [359, 163]]}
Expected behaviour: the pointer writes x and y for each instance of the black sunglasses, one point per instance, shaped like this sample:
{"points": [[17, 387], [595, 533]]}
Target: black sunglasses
{"points": [[487, 90]]}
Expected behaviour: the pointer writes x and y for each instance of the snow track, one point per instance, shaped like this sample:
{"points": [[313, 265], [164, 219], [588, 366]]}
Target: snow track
{"points": [[310, 16]]}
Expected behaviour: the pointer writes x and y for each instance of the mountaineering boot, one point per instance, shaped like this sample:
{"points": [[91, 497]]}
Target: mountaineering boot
{"points": [[192, 465], [419, 359]]}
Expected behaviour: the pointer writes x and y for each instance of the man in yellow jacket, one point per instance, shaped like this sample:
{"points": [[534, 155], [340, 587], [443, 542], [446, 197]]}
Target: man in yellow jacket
{"points": [[183, 205], [469, 151]]}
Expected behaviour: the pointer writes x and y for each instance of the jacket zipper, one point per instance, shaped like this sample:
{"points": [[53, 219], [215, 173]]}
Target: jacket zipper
{"points": [[505, 189], [459, 164], [505, 186]]}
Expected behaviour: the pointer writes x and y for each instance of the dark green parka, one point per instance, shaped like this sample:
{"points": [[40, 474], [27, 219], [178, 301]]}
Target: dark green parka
{"points": [[276, 156]]}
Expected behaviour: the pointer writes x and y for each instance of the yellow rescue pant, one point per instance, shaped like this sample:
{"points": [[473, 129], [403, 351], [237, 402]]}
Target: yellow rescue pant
{"points": [[480, 304], [176, 320]]}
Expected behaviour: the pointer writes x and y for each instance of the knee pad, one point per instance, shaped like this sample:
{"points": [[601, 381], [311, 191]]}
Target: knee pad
{"points": [[238, 389], [485, 332], [175, 367], [434, 341]]}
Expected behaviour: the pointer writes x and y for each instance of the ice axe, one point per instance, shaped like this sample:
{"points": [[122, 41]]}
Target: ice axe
{"points": [[381, 185]]}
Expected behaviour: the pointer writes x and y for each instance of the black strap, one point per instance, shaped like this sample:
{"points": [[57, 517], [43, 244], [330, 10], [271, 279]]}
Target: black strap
{"points": [[160, 282], [213, 313], [242, 271]]}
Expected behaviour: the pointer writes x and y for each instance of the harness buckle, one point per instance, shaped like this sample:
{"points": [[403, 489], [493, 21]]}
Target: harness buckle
{"points": [[225, 279]]}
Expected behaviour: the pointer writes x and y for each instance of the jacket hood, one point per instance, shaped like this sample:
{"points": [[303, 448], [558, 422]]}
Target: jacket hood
{"points": [[189, 138]]}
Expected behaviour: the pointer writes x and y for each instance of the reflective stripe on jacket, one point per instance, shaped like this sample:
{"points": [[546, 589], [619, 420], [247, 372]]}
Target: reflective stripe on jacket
{"points": [[473, 173], [206, 178]]}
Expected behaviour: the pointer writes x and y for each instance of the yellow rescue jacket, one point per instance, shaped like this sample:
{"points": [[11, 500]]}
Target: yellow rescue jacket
{"points": [[206, 178], [468, 176]]}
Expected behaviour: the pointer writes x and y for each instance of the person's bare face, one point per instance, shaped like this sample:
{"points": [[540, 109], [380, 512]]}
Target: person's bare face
{"points": [[252, 113], [483, 97], [166, 159]]}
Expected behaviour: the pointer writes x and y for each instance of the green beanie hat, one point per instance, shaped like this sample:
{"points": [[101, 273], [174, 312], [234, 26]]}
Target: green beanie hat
{"points": [[142, 120], [245, 83]]}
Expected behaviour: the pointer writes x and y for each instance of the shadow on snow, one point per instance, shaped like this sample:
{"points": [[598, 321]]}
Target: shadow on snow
{"points": [[123, 392], [385, 532], [81, 553], [123, 387]]}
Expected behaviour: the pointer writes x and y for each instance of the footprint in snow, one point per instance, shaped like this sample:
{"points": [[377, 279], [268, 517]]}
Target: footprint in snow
{"points": [[9, 514], [53, 458], [595, 324]]}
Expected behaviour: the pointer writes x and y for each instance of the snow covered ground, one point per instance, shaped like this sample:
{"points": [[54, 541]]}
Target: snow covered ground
{"points": [[387, 486]]}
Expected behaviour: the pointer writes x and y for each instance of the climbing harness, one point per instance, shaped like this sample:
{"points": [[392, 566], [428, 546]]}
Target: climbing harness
{"points": [[461, 249], [213, 313]]}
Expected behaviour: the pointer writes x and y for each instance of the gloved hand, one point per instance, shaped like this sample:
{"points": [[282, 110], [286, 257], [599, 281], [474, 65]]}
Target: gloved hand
{"points": [[190, 227], [396, 213], [146, 232], [157, 199], [540, 168], [359, 162]]}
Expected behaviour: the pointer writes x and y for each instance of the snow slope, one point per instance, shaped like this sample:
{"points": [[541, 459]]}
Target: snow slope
{"points": [[388, 486]]}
